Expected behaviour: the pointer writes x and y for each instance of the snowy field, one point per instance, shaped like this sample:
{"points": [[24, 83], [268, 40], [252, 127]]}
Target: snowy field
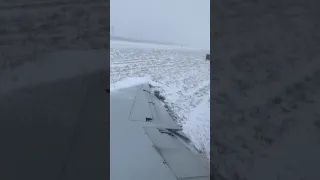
{"points": [[181, 75]]}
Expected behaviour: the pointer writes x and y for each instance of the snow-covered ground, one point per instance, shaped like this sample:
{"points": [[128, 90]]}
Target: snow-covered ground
{"points": [[181, 74]]}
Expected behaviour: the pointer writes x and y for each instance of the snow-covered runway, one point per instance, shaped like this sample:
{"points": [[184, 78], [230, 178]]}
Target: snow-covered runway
{"points": [[180, 74]]}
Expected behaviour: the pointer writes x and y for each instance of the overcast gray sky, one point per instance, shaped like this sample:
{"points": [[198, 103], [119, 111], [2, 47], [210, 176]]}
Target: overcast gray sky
{"points": [[185, 22]]}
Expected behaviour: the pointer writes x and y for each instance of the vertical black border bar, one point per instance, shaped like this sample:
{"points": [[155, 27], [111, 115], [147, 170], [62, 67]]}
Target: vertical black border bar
{"points": [[211, 82], [275, 39], [45, 128], [108, 93]]}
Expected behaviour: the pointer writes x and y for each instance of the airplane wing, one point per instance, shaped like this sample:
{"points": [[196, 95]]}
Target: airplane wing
{"points": [[145, 143]]}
